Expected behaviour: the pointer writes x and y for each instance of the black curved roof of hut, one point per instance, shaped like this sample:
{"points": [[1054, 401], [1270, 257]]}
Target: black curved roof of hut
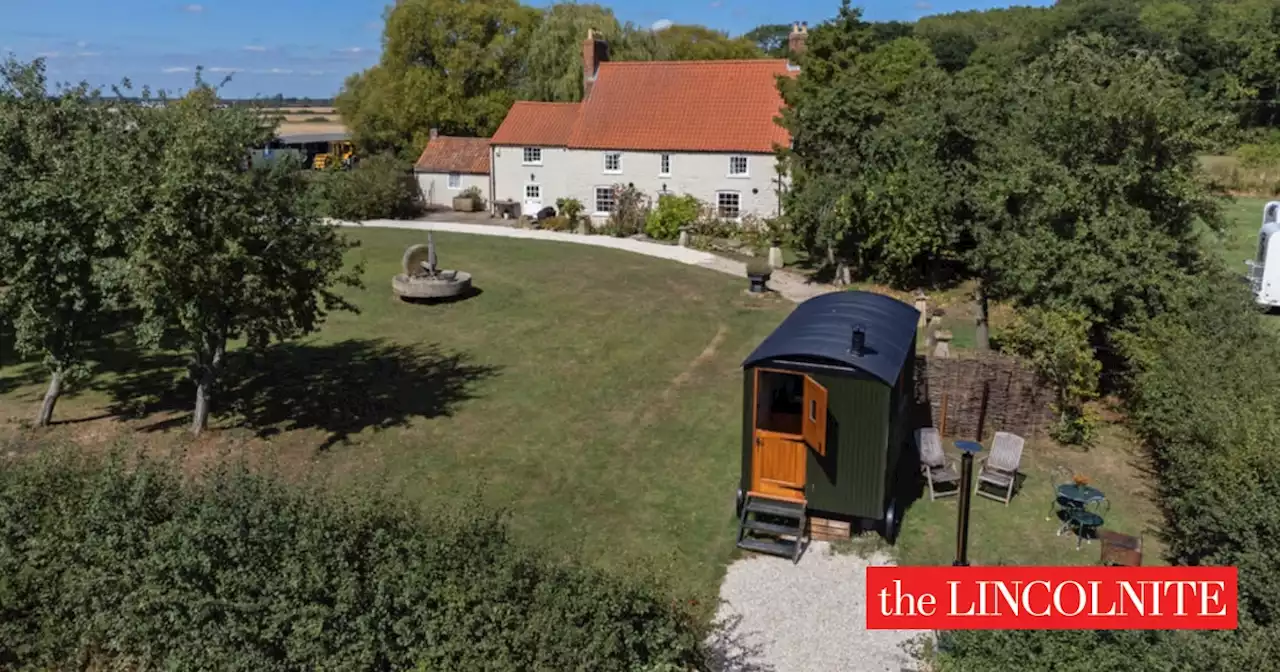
{"points": [[821, 329]]}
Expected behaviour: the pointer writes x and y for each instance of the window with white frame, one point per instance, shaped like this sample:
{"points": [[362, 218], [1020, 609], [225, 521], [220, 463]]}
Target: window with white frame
{"points": [[664, 169], [737, 166], [455, 181], [533, 192], [728, 204], [532, 156], [612, 162], [604, 199]]}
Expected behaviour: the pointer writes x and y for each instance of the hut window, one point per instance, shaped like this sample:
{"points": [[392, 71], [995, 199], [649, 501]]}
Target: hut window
{"points": [[813, 410]]}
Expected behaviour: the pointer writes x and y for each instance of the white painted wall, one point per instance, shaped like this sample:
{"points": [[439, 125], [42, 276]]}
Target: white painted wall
{"points": [[436, 191], [577, 173]]}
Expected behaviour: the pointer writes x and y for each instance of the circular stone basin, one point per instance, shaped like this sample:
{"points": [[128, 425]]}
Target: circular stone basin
{"points": [[447, 285]]}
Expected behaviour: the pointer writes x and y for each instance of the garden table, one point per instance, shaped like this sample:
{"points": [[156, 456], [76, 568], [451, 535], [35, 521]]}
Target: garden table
{"points": [[1076, 497]]}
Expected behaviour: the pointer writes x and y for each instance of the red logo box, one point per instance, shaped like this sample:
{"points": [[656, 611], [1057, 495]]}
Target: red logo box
{"points": [[1052, 598]]}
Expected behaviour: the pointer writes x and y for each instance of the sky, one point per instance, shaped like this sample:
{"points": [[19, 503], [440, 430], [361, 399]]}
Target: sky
{"points": [[307, 48]]}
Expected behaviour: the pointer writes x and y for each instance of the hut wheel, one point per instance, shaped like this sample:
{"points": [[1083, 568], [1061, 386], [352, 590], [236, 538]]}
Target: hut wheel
{"points": [[891, 522]]}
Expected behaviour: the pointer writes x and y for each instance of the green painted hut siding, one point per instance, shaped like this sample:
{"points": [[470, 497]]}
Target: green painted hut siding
{"points": [[849, 479]]}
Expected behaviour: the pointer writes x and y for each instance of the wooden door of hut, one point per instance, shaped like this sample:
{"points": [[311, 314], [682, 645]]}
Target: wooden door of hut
{"points": [[790, 418]]}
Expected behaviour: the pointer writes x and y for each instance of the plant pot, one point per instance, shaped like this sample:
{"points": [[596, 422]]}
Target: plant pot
{"points": [[759, 282], [464, 204]]}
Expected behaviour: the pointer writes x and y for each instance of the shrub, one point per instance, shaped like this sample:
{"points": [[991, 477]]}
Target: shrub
{"points": [[378, 187], [105, 566], [759, 267], [557, 224], [630, 210], [1057, 345], [473, 192], [673, 213], [569, 208]]}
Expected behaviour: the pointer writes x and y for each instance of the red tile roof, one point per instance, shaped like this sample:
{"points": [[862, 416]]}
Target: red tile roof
{"points": [[684, 106], [697, 106], [529, 123], [446, 154]]}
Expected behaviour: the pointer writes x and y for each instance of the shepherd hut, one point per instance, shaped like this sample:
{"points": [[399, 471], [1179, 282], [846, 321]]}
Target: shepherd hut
{"points": [[827, 409]]}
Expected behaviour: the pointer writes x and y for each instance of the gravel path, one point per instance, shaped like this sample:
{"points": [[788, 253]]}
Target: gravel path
{"points": [[806, 617], [790, 285]]}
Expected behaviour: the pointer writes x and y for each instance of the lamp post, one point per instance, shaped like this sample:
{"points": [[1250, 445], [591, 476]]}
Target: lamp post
{"points": [[968, 450]]}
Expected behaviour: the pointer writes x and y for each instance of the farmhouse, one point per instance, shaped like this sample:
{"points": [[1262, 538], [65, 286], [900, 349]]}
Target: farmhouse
{"points": [[705, 128], [450, 165]]}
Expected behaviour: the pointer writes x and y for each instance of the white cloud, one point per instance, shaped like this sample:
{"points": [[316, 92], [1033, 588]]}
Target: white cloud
{"points": [[273, 71], [716, 4], [88, 54], [254, 47], [662, 24], [924, 5], [170, 71], [82, 44], [352, 50], [221, 69], [194, 9], [48, 54]]}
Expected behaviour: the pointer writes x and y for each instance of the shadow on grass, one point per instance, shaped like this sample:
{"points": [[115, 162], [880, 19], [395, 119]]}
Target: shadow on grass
{"points": [[340, 388]]}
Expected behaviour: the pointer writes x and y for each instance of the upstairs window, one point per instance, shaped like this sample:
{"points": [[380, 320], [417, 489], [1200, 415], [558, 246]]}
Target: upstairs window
{"points": [[664, 169], [737, 166], [532, 156], [613, 162]]}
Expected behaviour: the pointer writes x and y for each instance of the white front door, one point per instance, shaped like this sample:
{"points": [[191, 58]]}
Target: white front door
{"points": [[532, 199]]}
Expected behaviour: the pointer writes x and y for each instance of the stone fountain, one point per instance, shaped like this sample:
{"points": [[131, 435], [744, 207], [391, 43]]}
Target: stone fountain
{"points": [[424, 280]]}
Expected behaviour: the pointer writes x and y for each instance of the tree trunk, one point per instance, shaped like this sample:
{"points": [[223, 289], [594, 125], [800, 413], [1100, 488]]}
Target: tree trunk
{"points": [[982, 339], [50, 399], [205, 386]]}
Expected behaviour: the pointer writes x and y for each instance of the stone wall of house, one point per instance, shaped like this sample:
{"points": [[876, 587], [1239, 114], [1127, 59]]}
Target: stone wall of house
{"points": [[985, 393]]}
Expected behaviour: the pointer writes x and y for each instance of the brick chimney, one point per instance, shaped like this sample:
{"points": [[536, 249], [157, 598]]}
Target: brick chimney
{"points": [[594, 52], [795, 41]]}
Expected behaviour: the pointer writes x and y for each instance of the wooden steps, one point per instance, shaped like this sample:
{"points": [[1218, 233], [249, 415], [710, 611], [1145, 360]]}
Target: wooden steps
{"points": [[773, 526]]}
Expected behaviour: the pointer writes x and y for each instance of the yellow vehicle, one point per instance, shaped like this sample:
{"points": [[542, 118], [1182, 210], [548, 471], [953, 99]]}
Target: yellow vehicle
{"points": [[343, 152]]}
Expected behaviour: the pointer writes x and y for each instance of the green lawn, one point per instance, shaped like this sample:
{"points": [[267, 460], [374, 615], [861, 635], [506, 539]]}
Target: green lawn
{"points": [[1239, 241], [595, 394], [1020, 533]]}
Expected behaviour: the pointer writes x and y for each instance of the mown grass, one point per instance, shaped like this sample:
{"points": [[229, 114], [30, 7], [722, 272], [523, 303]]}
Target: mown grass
{"points": [[595, 394]]}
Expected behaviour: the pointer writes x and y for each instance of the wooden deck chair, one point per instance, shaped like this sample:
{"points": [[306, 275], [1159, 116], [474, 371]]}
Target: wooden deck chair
{"points": [[934, 464], [1000, 467]]}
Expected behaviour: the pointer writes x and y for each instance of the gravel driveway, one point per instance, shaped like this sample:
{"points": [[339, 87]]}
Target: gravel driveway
{"points": [[811, 616]]}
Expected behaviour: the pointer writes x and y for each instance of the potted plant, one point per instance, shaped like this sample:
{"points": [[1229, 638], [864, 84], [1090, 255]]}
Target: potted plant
{"points": [[469, 200], [759, 272]]}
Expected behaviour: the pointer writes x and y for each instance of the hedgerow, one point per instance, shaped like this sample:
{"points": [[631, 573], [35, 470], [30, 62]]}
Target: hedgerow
{"points": [[128, 564]]}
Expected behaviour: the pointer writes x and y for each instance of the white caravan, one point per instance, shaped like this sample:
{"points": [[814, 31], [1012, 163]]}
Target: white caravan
{"points": [[1264, 271]]}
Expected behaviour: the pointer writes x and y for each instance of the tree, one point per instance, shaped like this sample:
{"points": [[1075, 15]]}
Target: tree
{"points": [[1108, 226], [772, 39], [868, 121], [228, 251], [449, 64], [64, 200], [554, 56], [699, 43]]}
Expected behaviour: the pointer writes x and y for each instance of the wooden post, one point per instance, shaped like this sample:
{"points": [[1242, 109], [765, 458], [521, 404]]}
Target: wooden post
{"points": [[942, 417], [982, 410]]}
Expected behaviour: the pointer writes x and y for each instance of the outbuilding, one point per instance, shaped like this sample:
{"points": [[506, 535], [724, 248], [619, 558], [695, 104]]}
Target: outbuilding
{"points": [[828, 401], [450, 166]]}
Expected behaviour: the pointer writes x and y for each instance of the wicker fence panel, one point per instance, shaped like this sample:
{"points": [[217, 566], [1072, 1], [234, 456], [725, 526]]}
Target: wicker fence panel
{"points": [[984, 393]]}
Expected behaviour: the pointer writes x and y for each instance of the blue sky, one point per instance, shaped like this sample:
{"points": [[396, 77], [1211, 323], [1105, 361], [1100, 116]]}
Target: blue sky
{"points": [[307, 48]]}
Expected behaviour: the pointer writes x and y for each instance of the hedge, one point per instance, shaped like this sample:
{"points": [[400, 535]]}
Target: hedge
{"points": [[127, 564]]}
